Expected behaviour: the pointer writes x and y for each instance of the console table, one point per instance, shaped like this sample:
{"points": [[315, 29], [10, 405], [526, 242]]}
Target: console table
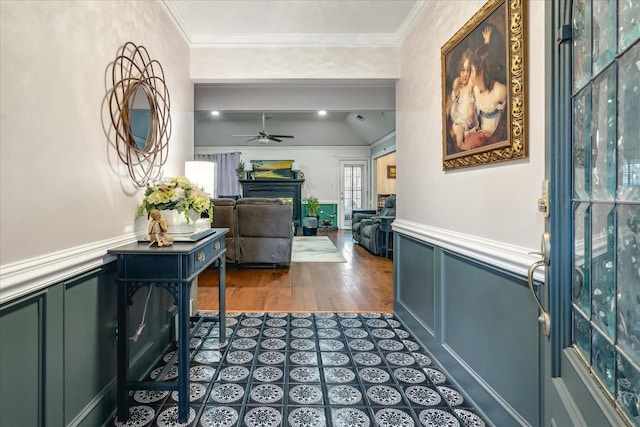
{"points": [[173, 268], [276, 188]]}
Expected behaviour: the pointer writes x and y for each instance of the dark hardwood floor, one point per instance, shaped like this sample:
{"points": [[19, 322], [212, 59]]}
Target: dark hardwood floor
{"points": [[362, 284]]}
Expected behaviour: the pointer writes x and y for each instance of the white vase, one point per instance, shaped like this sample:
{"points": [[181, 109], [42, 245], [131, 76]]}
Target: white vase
{"points": [[177, 222]]}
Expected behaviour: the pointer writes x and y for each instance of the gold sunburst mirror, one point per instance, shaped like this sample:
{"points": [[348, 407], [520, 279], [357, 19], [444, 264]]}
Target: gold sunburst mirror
{"points": [[140, 113]]}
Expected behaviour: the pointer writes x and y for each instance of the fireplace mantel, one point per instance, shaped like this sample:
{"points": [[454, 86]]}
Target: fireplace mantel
{"points": [[280, 188]]}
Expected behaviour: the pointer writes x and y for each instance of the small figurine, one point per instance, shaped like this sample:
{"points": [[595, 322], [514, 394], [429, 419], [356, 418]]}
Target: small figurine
{"points": [[157, 227]]}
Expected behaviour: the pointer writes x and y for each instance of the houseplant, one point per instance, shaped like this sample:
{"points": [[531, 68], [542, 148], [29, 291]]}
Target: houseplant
{"points": [[312, 206], [178, 195], [310, 226], [240, 169]]}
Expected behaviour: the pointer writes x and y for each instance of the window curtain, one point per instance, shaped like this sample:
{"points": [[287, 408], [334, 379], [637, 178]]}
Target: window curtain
{"points": [[227, 184]]}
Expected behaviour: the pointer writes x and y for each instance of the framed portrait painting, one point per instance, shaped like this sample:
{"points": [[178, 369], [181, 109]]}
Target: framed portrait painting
{"points": [[484, 88]]}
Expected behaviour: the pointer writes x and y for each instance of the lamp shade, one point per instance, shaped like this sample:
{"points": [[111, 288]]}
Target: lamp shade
{"points": [[248, 167], [295, 166], [201, 174]]}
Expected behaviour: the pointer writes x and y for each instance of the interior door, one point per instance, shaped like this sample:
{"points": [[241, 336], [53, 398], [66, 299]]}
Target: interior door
{"points": [[354, 189], [591, 360]]}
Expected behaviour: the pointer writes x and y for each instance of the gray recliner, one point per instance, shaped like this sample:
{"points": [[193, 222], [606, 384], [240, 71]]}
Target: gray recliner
{"points": [[366, 227], [224, 216], [265, 231]]}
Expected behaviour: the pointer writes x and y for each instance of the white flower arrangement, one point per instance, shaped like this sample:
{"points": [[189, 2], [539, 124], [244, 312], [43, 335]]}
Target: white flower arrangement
{"points": [[176, 193]]}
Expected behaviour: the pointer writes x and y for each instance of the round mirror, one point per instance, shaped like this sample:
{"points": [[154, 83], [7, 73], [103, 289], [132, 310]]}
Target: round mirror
{"points": [[139, 105], [140, 120]]}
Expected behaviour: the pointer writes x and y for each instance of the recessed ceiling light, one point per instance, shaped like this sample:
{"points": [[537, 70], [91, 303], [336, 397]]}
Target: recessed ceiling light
{"points": [[215, 113], [322, 113]]}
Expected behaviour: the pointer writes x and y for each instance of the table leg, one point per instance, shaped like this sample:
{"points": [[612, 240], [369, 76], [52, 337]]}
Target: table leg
{"points": [[183, 351], [123, 354], [222, 311]]}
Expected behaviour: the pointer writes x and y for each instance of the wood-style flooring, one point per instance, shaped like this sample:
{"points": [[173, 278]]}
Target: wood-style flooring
{"points": [[362, 284]]}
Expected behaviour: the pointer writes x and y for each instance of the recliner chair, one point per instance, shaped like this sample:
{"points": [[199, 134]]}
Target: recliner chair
{"points": [[366, 227], [224, 216]]}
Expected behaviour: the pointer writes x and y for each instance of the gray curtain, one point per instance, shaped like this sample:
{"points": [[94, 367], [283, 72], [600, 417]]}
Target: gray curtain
{"points": [[226, 179]]}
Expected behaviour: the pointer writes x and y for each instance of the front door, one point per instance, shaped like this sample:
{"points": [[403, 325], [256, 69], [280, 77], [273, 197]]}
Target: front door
{"points": [[354, 189], [591, 360]]}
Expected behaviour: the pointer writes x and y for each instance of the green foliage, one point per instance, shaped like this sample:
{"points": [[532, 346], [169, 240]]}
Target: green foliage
{"points": [[240, 169], [313, 205]]}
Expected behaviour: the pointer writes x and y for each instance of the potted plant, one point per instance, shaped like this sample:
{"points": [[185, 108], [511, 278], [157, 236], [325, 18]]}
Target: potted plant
{"points": [[310, 227], [313, 205], [181, 203], [240, 170]]}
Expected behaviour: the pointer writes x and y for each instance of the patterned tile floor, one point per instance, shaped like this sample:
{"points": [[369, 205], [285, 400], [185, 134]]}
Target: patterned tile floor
{"points": [[307, 370]]}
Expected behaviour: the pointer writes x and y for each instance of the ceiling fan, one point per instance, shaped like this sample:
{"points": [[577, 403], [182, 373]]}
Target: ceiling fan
{"points": [[263, 137]]}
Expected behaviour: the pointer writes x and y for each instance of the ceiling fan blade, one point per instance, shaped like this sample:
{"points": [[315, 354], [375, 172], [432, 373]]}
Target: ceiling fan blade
{"points": [[246, 136], [271, 137], [282, 136], [255, 137]]}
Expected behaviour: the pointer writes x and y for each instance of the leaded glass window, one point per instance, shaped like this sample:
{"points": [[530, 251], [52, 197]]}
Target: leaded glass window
{"points": [[606, 196]]}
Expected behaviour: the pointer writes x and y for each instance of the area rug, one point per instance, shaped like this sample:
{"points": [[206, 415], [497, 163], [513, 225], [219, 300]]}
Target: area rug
{"points": [[308, 370], [314, 249]]}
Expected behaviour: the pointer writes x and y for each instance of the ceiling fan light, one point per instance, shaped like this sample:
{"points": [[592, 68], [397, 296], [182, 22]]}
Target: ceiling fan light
{"points": [[322, 113], [263, 140]]}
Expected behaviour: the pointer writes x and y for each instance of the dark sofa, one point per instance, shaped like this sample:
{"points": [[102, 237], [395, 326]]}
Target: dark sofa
{"points": [[261, 230]]}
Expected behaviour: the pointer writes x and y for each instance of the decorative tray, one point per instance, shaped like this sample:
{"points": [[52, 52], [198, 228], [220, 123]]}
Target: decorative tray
{"points": [[185, 237]]}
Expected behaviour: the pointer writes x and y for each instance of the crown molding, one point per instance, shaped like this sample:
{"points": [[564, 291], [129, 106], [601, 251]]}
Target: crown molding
{"points": [[200, 40], [418, 10]]}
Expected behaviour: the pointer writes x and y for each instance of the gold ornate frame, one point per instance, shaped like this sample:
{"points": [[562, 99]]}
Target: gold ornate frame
{"points": [[509, 18], [134, 74]]}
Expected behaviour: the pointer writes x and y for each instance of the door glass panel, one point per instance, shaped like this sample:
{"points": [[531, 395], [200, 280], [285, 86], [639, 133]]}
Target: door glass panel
{"points": [[602, 268], [604, 33], [628, 126], [628, 388], [629, 23], [581, 145], [352, 191], [606, 197], [581, 43], [603, 360], [604, 136], [629, 281], [582, 334], [582, 259]]}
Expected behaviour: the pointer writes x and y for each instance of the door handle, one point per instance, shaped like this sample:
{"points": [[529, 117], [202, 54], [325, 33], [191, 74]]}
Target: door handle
{"points": [[544, 317]]}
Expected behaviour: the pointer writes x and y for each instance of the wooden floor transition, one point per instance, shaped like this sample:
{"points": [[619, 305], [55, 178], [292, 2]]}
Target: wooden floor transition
{"points": [[364, 283]]}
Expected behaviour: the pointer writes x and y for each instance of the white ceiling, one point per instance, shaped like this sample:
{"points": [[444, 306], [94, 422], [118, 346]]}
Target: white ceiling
{"points": [[303, 23]]}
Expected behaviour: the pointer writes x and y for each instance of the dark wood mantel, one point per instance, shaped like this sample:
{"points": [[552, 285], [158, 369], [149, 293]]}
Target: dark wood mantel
{"points": [[281, 188]]}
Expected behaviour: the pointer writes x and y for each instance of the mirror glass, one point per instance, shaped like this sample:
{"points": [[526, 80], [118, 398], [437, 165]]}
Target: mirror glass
{"points": [[140, 114]]}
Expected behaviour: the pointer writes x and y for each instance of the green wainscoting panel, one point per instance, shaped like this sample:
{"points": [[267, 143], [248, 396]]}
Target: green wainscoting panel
{"points": [[90, 345], [54, 355], [491, 324], [325, 211], [478, 321], [21, 363], [58, 350], [416, 286]]}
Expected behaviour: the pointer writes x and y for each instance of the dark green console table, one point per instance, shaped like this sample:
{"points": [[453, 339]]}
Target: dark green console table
{"points": [[173, 268]]}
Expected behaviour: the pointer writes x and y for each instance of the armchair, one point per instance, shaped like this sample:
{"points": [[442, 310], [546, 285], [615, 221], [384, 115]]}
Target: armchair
{"points": [[366, 227]]}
